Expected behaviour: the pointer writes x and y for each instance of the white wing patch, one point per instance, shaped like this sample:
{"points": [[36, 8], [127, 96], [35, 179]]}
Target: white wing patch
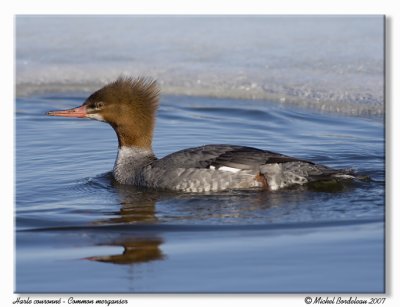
{"points": [[225, 169], [229, 169]]}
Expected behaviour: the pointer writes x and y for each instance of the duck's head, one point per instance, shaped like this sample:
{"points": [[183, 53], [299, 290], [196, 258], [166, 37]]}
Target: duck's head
{"points": [[128, 105]]}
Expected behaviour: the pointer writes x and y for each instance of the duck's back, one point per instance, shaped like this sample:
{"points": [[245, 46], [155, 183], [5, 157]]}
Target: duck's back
{"points": [[222, 167]]}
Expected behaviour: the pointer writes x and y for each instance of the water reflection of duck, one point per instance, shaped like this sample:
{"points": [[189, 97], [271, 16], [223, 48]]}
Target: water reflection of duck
{"points": [[144, 215], [136, 250], [137, 208], [129, 106]]}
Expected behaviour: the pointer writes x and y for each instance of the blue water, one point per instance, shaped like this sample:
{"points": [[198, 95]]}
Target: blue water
{"points": [[77, 231]]}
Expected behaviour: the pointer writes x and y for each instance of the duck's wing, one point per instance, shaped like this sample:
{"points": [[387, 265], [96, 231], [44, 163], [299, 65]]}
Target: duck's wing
{"points": [[223, 157]]}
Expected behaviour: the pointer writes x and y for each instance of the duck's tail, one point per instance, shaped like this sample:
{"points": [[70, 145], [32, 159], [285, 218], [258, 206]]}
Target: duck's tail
{"points": [[335, 180]]}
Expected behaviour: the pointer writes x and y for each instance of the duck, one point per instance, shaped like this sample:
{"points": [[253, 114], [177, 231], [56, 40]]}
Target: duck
{"points": [[129, 106]]}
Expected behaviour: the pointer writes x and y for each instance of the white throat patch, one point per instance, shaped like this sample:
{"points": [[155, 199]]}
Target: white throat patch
{"points": [[96, 117]]}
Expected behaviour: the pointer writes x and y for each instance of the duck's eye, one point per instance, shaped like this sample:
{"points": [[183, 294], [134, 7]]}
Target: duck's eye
{"points": [[98, 105]]}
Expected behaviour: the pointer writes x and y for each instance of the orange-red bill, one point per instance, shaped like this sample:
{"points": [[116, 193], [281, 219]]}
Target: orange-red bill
{"points": [[79, 112]]}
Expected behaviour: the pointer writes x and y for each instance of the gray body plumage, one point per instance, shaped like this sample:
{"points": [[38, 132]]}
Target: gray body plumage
{"points": [[216, 168]]}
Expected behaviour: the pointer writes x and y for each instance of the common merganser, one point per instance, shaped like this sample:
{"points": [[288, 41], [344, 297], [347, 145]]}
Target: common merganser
{"points": [[129, 105]]}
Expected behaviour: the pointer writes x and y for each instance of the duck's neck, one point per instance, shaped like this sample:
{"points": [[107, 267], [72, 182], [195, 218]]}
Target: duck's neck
{"points": [[130, 162], [134, 135]]}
